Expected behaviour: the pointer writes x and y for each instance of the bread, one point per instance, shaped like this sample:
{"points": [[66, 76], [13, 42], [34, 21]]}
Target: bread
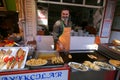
{"points": [[115, 63], [20, 55], [92, 56], [91, 65], [57, 60], [2, 63], [116, 42], [36, 62]]}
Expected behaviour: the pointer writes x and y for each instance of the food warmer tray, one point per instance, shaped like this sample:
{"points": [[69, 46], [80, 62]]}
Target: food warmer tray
{"points": [[109, 50], [80, 57]]}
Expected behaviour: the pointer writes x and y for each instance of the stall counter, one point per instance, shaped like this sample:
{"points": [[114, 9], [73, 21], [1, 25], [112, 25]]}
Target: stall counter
{"points": [[56, 73]]}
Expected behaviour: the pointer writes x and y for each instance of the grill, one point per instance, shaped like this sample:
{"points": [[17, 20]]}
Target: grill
{"points": [[81, 56]]}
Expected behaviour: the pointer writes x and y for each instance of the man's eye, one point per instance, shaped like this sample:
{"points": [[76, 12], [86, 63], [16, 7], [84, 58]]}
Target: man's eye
{"points": [[65, 14]]}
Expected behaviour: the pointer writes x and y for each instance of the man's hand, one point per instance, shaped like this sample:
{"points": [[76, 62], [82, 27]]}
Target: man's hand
{"points": [[60, 45]]}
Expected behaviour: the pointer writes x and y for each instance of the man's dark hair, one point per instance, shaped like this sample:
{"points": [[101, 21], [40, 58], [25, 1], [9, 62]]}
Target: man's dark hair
{"points": [[65, 8]]}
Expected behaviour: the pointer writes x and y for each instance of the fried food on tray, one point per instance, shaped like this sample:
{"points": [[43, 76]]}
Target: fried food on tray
{"points": [[10, 62], [70, 56], [8, 52], [91, 65], [87, 63], [75, 65], [1, 54], [4, 56], [47, 56], [2, 63], [19, 58], [57, 60], [78, 66], [36, 62], [92, 56], [20, 55], [115, 63], [104, 65], [116, 42]]}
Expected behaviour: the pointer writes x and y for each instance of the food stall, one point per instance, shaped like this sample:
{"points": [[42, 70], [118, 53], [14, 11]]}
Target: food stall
{"points": [[48, 65], [16, 65], [60, 73], [51, 65]]}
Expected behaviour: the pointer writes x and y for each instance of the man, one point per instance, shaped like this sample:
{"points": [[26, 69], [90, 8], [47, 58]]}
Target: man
{"points": [[61, 31]]}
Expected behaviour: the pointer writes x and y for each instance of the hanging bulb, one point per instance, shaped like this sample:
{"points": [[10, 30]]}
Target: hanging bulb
{"points": [[98, 1]]}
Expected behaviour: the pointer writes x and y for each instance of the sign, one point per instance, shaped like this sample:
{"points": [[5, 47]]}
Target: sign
{"points": [[106, 28], [48, 75], [107, 22]]}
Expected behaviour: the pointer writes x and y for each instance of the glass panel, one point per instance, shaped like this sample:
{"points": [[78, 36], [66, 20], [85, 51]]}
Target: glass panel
{"points": [[79, 1], [68, 1], [42, 19], [80, 17], [94, 2], [74, 1], [54, 0]]}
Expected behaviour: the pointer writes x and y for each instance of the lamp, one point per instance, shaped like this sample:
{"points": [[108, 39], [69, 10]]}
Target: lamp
{"points": [[98, 1]]}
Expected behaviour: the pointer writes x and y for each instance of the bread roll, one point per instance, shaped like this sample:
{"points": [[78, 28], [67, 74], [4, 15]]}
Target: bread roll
{"points": [[116, 63], [116, 42]]}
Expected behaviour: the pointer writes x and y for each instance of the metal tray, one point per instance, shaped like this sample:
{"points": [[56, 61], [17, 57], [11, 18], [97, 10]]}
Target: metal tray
{"points": [[46, 54]]}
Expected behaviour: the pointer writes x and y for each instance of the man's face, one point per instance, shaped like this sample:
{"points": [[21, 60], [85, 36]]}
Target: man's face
{"points": [[65, 14]]}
